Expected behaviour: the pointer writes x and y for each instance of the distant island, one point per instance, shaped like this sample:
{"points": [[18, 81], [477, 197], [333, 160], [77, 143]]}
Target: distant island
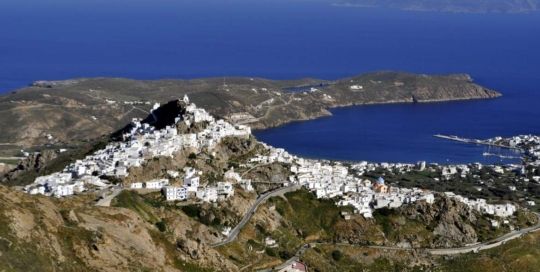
{"points": [[461, 6]]}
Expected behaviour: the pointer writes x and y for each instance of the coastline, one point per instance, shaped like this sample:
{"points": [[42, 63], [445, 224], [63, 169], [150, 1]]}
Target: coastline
{"points": [[328, 112], [98, 106]]}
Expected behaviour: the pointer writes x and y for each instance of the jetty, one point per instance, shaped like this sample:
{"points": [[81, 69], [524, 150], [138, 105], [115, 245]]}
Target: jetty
{"points": [[487, 154], [474, 141]]}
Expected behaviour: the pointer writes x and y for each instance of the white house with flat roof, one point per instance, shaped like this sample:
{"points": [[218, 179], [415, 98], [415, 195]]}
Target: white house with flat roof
{"points": [[156, 183], [173, 193], [225, 189], [208, 194]]}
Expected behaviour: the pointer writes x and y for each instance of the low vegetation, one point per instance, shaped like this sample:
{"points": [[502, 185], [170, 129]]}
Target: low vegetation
{"points": [[522, 254]]}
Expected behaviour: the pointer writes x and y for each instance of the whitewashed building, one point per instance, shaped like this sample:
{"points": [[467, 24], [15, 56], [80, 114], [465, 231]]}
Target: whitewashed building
{"points": [[208, 194], [225, 189], [156, 183], [172, 193]]}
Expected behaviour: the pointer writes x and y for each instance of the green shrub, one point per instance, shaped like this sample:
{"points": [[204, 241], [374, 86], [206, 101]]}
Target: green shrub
{"points": [[271, 252], [337, 255], [192, 210], [285, 255], [161, 226]]}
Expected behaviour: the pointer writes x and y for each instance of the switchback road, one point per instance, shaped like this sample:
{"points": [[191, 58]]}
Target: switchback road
{"points": [[261, 199]]}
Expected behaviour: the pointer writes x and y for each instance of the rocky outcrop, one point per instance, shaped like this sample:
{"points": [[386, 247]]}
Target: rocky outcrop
{"points": [[33, 163], [445, 223], [37, 160], [451, 222]]}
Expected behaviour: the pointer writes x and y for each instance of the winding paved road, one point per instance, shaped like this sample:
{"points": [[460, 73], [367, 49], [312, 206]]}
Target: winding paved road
{"points": [[261, 199], [434, 251], [489, 244]]}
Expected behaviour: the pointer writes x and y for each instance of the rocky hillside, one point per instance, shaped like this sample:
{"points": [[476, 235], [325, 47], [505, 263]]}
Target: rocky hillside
{"points": [[67, 112], [44, 234], [140, 231], [298, 218]]}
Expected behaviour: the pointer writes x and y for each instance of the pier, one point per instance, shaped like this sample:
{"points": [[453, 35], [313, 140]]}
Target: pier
{"points": [[473, 141], [486, 154]]}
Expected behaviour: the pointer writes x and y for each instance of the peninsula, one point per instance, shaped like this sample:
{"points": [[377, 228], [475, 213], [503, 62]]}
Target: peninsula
{"points": [[54, 113]]}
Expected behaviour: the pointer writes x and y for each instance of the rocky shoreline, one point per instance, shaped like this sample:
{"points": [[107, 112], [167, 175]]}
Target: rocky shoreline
{"points": [[327, 112]]}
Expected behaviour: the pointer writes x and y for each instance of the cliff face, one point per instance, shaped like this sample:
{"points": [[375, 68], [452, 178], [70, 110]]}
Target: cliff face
{"points": [[88, 108]]}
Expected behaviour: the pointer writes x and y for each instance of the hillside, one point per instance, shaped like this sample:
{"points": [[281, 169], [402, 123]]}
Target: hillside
{"points": [[45, 234], [64, 113], [483, 6], [118, 227], [142, 233]]}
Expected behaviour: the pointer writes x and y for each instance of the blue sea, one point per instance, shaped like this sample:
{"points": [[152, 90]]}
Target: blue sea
{"points": [[284, 39]]}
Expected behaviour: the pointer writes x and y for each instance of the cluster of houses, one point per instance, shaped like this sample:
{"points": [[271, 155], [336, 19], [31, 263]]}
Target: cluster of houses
{"points": [[530, 144], [328, 181], [275, 155], [335, 181], [480, 205], [141, 143], [324, 179], [364, 167], [448, 172], [192, 188]]}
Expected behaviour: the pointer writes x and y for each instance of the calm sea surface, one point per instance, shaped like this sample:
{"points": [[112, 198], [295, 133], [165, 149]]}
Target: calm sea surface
{"points": [[280, 39]]}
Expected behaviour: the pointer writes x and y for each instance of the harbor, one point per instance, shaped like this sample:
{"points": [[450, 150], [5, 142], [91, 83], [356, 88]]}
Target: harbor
{"points": [[475, 141]]}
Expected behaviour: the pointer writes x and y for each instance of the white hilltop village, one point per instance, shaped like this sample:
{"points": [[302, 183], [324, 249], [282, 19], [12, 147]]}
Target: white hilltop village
{"points": [[345, 184]]}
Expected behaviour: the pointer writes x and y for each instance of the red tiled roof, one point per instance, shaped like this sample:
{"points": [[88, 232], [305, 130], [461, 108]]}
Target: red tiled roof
{"points": [[299, 266]]}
